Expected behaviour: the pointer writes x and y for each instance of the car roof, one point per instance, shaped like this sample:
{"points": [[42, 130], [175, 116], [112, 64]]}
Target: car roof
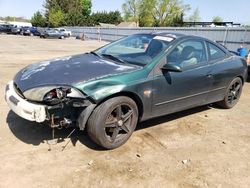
{"points": [[171, 34], [180, 35], [176, 35]]}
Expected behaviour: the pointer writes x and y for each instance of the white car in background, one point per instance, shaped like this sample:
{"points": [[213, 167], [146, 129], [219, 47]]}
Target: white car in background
{"points": [[64, 31]]}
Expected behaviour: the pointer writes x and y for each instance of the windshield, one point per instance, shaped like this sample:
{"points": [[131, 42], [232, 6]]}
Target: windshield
{"points": [[138, 49]]}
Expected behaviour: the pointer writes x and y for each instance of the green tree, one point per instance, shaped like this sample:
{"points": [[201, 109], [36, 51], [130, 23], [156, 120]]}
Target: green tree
{"points": [[75, 12], [167, 11], [146, 17], [56, 18], [131, 10], [86, 7], [217, 19], [154, 12], [195, 17], [48, 5], [38, 19], [178, 21], [113, 17], [73, 18]]}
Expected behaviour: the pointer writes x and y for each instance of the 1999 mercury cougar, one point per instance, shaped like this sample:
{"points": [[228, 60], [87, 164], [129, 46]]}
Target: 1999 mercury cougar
{"points": [[108, 91]]}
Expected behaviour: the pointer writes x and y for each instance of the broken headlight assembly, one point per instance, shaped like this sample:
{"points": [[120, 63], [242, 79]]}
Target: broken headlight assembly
{"points": [[52, 95], [56, 96]]}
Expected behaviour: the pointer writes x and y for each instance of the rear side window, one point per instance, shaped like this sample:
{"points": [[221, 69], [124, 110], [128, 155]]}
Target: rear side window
{"points": [[215, 52]]}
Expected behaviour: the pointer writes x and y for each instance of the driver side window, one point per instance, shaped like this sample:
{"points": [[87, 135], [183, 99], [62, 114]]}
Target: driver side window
{"points": [[190, 53]]}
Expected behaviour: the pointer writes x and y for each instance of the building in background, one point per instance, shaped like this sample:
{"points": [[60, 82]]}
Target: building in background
{"points": [[106, 25], [127, 24], [2, 22], [20, 24], [211, 24]]}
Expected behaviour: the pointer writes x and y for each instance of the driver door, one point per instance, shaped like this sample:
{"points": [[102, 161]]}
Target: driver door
{"points": [[176, 91]]}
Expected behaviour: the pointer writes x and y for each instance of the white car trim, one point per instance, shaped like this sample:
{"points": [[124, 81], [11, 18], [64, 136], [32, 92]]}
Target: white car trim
{"points": [[23, 108]]}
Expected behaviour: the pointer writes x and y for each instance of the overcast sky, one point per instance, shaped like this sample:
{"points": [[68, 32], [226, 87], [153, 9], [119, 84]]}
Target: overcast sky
{"points": [[236, 11]]}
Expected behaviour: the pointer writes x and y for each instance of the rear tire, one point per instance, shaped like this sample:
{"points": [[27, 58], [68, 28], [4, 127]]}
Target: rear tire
{"points": [[232, 95], [113, 122]]}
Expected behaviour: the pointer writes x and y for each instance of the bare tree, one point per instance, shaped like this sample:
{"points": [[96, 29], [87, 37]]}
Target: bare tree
{"points": [[195, 17]]}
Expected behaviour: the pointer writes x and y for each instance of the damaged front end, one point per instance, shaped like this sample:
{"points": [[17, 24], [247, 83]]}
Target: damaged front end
{"points": [[58, 106], [64, 110]]}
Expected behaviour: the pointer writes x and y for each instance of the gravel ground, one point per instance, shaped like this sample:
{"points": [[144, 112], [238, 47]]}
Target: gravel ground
{"points": [[201, 147]]}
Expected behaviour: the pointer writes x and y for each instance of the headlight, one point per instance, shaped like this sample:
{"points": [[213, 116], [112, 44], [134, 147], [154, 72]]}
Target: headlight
{"points": [[56, 96], [47, 93], [37, 94], [58, 93]]}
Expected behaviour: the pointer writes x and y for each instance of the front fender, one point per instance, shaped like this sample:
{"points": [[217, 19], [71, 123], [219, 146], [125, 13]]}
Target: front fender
{"points": [[99, 90]]}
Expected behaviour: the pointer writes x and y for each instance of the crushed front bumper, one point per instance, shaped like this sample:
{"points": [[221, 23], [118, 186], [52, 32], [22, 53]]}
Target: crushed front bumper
{"points": [[23, 108]]}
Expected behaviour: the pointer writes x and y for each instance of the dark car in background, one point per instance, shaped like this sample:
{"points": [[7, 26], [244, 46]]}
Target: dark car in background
{"points": [[35, 31], [30, 31], [25, 31], [142, 76], [5, 28], [52, 33]]}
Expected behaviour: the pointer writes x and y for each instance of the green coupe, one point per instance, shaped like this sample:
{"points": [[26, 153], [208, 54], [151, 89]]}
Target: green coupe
{"points": [[142, 76]]}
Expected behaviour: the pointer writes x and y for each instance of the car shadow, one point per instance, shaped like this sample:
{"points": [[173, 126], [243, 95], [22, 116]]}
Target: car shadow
{"points": [[35, 133], [172, 117]]}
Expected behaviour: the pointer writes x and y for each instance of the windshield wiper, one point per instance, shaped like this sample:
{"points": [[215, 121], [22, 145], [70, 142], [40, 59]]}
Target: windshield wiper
{"points": [[94, 53], [109, 56], [113, 57]]}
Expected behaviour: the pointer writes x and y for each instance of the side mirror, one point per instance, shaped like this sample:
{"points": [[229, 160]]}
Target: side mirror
{"points": [[171, 68]]}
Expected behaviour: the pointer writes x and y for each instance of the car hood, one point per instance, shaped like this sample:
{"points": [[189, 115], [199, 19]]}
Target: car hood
{"points": [[69, 71]]}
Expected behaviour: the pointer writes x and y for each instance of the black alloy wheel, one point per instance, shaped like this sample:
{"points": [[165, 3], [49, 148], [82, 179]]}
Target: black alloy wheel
{"points": [[233, 94], [113, 122], [118, 123]]}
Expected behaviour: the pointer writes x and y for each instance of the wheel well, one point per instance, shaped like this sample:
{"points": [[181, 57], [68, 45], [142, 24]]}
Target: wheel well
{"points": [[131, 95], [242, 79]]}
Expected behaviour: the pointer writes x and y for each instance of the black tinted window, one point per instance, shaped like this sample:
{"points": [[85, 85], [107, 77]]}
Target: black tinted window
{"points": [[215, 52]]}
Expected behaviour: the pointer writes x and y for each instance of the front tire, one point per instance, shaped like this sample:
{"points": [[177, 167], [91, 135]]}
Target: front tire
{"points": [[113, 122], [232, 95]]}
